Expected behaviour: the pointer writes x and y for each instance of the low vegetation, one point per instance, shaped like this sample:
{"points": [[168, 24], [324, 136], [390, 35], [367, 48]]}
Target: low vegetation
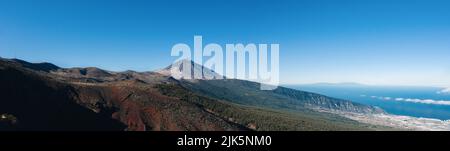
{"points": [[263, 119]]}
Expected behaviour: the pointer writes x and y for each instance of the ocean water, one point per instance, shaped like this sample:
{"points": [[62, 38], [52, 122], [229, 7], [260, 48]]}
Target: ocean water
{"points": [[424, 102]]}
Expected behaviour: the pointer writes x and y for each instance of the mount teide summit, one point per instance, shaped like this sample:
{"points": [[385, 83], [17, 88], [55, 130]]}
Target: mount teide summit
{"points": [[248, 93], [46, 97]]}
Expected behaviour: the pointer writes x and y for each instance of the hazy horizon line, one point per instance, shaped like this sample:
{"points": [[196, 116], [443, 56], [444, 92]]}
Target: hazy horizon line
{"points": [[281, 82]]}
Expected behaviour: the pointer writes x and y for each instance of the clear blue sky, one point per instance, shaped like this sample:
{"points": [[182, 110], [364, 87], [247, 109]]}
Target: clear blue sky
{"points": [[395, 42]]}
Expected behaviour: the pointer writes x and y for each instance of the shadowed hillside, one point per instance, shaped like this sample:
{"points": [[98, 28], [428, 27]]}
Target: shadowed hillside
{"points": [[46, 97]]}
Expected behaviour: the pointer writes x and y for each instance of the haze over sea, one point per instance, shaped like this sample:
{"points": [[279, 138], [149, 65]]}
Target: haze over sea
{"points": [[427, 102]]}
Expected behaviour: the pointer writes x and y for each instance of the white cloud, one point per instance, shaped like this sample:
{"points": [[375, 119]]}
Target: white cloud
{"points": [[423, 101], [399, 99], [428, 101], [444, 91]]}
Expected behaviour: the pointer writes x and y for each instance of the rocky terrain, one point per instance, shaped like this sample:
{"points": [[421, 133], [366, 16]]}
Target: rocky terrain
{"points": [[43, 96]]}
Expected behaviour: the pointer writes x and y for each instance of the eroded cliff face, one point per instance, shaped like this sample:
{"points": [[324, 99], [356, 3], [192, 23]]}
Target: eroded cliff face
{"points": [[322, 102]]}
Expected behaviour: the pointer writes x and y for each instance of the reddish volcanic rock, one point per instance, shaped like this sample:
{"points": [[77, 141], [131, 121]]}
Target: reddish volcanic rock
{"points": [[51, 98]]}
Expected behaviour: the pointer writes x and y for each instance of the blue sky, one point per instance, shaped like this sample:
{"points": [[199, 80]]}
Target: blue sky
{"points": [[382, 42]]}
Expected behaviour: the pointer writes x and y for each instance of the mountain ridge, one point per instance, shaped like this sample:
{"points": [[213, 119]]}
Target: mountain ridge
{"points": [[139, 100]]}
